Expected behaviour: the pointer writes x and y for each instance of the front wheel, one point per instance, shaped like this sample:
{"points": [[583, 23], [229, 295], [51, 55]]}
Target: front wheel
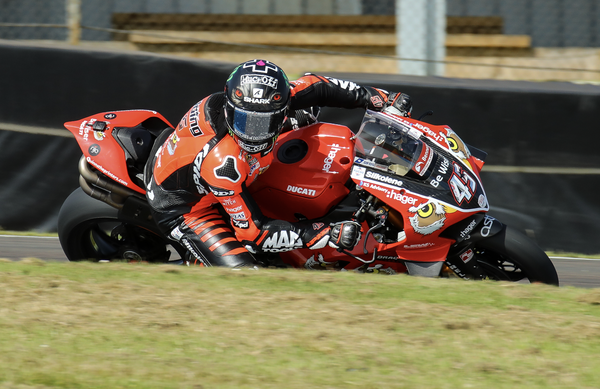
{"points": [[89, 229], [512, 256]]}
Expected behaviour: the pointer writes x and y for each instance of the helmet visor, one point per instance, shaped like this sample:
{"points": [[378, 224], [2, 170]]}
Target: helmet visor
{"points": [[255, 126]]}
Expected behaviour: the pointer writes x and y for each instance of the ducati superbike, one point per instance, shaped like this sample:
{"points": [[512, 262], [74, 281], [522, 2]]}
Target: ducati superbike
{"points": [[414, 187]]}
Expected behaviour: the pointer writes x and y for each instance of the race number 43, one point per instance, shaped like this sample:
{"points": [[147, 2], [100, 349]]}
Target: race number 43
{"points": [[462, 185]]}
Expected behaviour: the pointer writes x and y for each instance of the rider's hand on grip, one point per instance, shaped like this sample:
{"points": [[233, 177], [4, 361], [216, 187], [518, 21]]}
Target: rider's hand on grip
{"points": [[398, 104], [344, 235]]}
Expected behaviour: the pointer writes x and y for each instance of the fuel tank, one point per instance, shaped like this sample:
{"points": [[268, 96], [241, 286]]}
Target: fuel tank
{"points": [[308, 176]]}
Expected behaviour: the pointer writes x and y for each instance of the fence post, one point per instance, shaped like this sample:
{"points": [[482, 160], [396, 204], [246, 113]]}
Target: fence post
{"points": [[74, 21], [421, 34]]}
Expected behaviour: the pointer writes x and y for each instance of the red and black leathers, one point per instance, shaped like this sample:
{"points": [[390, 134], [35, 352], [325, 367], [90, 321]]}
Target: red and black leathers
{"points": [[198, 176]]}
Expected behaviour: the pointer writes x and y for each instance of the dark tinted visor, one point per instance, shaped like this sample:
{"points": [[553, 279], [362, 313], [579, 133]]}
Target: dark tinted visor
{"points": [[256, 126]]}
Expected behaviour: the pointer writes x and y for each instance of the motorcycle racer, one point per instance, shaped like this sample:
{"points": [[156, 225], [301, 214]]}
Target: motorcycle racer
{"points": [[198, 174]]}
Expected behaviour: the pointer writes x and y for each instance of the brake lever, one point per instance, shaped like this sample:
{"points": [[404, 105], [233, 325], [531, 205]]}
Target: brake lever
{"points": [[428, 113], [359, 258], [382, 216]]}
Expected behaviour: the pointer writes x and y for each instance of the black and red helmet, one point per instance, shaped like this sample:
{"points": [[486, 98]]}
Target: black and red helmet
{"points": [[257, 99]]}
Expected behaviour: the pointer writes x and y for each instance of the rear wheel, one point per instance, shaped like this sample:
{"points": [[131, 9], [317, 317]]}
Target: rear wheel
{"points": [[89, 229], [512, 256]]}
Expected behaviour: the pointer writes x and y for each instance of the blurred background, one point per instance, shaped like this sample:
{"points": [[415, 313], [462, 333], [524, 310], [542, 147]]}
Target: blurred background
{"points": [[486, 39]]}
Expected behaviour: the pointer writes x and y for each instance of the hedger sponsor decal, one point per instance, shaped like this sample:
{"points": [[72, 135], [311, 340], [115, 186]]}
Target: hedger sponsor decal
{"points": [[328, 161], [399, 196], [233, 210], [465, 234]]}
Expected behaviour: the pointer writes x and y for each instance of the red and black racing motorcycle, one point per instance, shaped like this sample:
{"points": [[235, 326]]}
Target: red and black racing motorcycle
{"points": [[414, 187]]}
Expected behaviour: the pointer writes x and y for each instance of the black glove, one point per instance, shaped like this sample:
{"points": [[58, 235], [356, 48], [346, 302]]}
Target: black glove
{"points": [[300, 118], [398, 104], [344, 235]]}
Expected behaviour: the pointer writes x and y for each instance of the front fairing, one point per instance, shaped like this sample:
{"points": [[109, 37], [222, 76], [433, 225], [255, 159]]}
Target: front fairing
{"points": [[427, 182], [428, 162]]}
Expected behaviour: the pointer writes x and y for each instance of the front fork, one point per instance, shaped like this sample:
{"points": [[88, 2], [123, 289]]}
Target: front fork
{"points": [[461, 257]]}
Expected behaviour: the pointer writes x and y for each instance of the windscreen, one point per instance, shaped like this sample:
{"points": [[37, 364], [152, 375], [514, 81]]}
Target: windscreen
{"points": [[390, 143]]}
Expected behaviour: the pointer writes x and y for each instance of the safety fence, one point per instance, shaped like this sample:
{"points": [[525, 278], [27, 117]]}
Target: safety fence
{"points": [[488, 39]]}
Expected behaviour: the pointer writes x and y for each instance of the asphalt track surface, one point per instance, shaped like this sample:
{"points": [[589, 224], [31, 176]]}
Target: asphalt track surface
{"points": [[577, 272]]}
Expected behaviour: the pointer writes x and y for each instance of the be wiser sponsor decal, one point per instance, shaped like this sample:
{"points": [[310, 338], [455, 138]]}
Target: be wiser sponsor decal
{"points": [[328, 161]]}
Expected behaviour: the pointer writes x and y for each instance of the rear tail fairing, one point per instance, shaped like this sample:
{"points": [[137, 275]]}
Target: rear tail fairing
{"points": [[117, 143]]}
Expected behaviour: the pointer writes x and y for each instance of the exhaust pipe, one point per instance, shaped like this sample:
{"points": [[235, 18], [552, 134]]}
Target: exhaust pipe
{"points": [[103, 189]]}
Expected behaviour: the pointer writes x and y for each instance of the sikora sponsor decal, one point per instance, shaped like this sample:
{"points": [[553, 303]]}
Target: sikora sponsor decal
{"points": [[282, 241], [299, 190]]}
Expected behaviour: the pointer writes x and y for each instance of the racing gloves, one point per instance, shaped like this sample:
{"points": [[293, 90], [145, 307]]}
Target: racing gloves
{"points": [[344, 235], [398, 104], [279, 236], [339, 235]]}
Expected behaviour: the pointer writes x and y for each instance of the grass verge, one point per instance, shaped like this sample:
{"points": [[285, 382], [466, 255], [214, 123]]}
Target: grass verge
{"points": [[90, 325], [28, 233]]}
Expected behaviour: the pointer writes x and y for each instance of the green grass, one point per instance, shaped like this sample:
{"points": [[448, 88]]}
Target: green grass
{"points": [[27, 233], [85, 325], [574, 255]]}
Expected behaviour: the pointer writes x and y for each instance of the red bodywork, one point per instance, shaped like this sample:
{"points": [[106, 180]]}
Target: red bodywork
{"points": [[321, 190], [101, 149], [311, 186], [314, 184]]}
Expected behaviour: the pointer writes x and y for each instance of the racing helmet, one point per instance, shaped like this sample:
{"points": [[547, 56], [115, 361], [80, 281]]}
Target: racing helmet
{"points": [[257, 100]]}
